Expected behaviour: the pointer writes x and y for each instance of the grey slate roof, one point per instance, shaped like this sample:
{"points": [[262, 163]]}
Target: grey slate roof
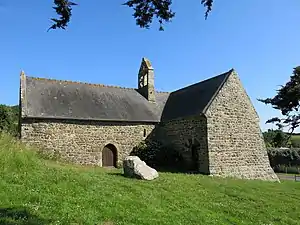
{"points": [[45, 98], [61, 99], [194, 99]]}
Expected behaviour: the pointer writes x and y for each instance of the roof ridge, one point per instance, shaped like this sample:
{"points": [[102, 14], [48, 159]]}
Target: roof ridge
{"points": [[78, 82], [202, 81], [167, 92], [87, 83]]}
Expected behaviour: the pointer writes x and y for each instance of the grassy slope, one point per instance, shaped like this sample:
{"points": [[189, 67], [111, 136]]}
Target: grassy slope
{"points": [[52, 193]]}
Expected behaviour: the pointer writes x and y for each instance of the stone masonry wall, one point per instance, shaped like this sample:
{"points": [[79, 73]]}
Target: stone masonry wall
{"points": [[181, 134], [82, 142], [235, 141]]}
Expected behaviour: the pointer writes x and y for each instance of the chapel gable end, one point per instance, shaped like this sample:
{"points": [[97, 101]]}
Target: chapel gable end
{"points": [[232, 97]]}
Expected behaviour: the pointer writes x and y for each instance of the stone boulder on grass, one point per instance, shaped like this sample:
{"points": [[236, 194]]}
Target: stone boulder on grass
{"points": [[134, 167]]}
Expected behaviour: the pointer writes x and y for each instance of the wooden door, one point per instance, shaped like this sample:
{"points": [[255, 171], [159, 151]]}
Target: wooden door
{"points": [[108, 156]]}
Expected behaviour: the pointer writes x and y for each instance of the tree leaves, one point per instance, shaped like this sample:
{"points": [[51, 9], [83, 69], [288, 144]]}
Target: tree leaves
{"points": [[63, 8], [287, 101], [208, 4], [144, 12]]}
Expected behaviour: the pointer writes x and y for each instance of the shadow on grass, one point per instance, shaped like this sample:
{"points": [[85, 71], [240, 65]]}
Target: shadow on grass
{"points": [[160, 170], [116, 174], [20, 216], [173, 170]]}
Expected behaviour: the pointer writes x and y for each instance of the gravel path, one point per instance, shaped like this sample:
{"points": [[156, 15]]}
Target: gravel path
{"points": [[288, 177]]}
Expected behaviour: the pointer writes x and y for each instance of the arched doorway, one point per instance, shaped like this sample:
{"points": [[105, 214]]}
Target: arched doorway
{"points": [[109, 156]]}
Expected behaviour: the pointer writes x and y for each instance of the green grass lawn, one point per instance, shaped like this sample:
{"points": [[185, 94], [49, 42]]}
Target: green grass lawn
{"points": [[35, 191]]}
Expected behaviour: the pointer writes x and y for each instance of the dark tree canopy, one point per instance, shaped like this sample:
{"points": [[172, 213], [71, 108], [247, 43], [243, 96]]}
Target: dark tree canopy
{"points": [[144, 12], [287, 101], [63, 8]]}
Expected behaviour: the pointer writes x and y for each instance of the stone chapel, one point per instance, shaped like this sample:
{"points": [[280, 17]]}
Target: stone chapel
{"points": [[213, 123]]}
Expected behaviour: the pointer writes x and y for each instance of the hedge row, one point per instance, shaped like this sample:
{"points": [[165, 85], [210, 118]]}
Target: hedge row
{"points": [[285, 160]]}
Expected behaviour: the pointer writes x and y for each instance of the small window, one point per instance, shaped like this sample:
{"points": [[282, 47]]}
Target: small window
{"points": [[145, 133]]}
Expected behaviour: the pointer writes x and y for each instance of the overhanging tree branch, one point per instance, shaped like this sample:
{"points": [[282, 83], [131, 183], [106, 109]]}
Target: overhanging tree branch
{"points": [[208, 4], [144, 12], [63, 8], [287, 101]]}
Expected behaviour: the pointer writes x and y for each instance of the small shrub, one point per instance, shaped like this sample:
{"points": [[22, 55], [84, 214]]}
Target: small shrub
{"points": [[158, 156]]}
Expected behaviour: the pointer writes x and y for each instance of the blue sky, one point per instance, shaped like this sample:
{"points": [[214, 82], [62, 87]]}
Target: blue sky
{"points": [[260, 39]]}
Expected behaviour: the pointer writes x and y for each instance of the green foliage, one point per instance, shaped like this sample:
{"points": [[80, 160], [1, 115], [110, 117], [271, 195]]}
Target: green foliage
{"points": [[295, 141], [11, 159], [147, 151], [287, 101], [276, 138], [144, 11], [9, 119], [158, 156], [35, 191], [284, 158], [287, 169]]}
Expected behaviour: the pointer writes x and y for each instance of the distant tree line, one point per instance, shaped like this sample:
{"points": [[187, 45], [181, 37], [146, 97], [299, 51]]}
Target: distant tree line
{"points": [[283, 150], [280, 139], [276, 139]]}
